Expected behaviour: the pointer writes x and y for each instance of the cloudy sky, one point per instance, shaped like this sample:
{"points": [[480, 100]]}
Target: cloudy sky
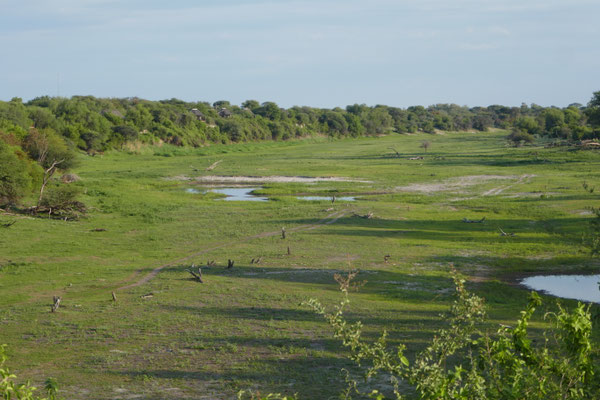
{"points": [[322, 53]]}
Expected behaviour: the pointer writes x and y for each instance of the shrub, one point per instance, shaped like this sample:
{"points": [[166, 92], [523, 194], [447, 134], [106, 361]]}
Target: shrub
{"points": [[518, 137], [14, 178], [61, 200], [9, 389], [463, 362]]}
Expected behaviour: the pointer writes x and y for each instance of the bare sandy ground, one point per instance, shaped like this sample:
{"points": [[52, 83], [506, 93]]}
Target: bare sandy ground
{"points": [[458, 184], [263, 179]]}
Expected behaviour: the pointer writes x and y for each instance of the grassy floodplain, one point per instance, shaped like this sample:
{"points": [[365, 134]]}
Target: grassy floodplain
{"points": [[245, 327]]}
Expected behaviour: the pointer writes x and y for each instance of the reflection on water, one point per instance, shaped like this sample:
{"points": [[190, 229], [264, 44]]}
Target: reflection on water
{"points": [[238, 194], [330, 198], [233, 194], [579, 287]]}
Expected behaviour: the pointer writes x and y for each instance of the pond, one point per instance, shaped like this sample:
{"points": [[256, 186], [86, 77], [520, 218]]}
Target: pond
{"points": [[232, 193], [239, 194], [328, 198], [244, 194], [578, 287]]}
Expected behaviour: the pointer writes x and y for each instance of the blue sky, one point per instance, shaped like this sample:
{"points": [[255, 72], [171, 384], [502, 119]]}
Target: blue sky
{"points": [[320, 53]]}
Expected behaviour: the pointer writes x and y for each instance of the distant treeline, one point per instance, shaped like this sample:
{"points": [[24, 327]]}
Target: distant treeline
{"points": [[97, 124], [40, 137]]}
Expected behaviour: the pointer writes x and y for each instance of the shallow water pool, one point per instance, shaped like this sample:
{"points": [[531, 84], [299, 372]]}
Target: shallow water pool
{"points": [[233, 194], [578, 287], [239, 194]]}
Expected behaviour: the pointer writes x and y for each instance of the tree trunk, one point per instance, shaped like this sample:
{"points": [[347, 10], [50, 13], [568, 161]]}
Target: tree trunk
{"points": [[47, 175]]}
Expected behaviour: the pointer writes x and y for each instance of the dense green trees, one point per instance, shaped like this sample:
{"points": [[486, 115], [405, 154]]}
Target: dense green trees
{"points": [[15, 179], [94, 125], [593, 110]]}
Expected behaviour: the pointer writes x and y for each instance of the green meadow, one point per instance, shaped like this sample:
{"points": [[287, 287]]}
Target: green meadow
{"points": [[245, 328]]}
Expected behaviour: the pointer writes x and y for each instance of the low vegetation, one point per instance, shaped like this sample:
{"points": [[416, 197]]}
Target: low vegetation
{"points": [[464, 362]]}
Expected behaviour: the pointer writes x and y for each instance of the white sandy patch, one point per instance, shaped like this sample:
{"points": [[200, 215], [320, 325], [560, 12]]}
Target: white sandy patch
{"points": [[462, 182], [453, 184], [264, 179]]}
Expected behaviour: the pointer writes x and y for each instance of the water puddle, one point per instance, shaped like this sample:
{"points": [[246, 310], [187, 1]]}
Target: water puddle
{"points": [[328, 198], [578, 287], [239, 194], [244, 194], [231, 193]]}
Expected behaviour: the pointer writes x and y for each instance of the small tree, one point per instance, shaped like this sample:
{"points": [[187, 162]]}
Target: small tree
{"points": [[518, 137], [61, 200], [464, 362], [51, 152]]}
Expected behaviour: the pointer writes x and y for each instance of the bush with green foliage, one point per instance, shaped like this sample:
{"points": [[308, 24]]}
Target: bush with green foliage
{"points": [[465, 362], [518, 137], [47, 147], [61, 200], [15, 179], [11, 390]]}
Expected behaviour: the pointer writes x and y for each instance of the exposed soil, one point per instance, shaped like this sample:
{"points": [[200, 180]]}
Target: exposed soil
{"points": [[263, 179], [462, 182]]}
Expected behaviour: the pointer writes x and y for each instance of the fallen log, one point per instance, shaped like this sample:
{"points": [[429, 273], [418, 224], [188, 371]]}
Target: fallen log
{"points": [[473, 221], [366, 216], [502, 233], [197, 276]]}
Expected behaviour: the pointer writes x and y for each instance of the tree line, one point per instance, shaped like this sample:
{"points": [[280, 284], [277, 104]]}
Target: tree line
{"points": [[47, 130], [97, 124]]}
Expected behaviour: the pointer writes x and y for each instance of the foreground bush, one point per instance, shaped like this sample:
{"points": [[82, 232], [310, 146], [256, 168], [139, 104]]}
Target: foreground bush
{"points": [[463, 362], [9, 389]]}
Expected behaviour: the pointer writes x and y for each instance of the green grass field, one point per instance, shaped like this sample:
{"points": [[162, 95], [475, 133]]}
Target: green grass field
{"points": [[246, 327]]}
